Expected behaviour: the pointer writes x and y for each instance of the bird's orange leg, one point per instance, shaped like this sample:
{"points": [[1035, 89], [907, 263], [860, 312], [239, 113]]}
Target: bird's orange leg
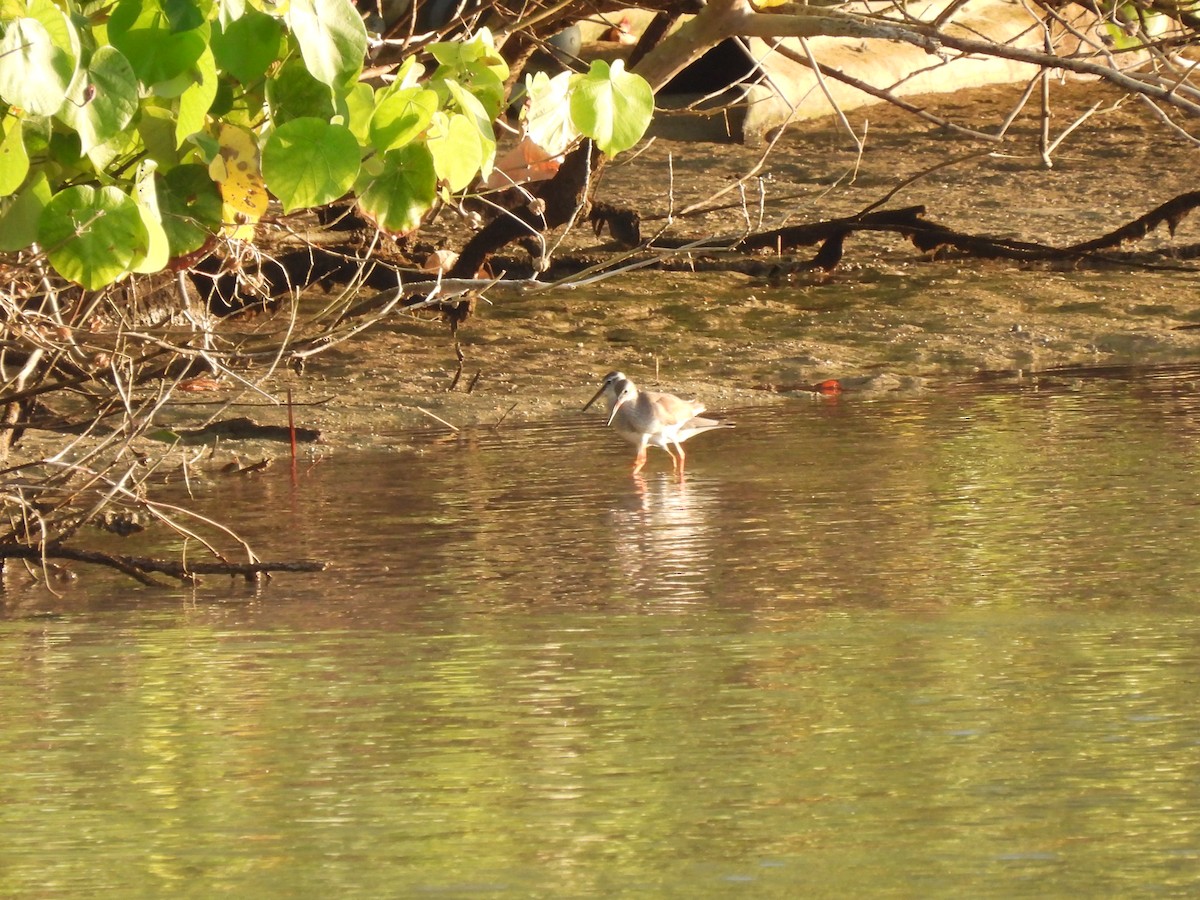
{"points": [[674, 458], [639, 461]]}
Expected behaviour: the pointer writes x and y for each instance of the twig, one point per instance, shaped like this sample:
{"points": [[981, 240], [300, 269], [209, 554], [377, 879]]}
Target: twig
{"points": [[924, 173], [140, 567], [421, 409], [500, 421]]}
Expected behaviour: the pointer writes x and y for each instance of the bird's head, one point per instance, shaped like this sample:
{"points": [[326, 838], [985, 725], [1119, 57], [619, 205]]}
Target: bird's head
{"points": [[610, 387], [625, 391]]}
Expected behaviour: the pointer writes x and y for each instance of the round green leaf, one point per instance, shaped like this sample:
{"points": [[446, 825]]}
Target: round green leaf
{"points": [[190, 206], [92, 235], [103, 98], [611, 106], [402, 192], [400, 116], [309, 162], [247, 46], [159, 39], [35, 70], [293, 93]]}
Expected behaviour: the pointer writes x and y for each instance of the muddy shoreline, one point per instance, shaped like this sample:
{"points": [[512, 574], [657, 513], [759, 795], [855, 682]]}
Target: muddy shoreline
{"points": [[886, 319]]}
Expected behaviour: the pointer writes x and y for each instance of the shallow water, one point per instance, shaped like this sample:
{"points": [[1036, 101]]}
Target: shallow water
{"points": [[932, 645]]}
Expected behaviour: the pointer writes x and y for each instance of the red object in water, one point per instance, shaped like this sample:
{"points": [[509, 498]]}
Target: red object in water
{"points": [[828, 386]]}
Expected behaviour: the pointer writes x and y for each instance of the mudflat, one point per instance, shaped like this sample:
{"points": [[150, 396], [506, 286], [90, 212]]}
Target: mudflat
{"points": [[888, 318]]}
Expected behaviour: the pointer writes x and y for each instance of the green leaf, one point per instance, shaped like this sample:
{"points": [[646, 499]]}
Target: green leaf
{"points": [[477, 65], [247, 46], [14, 159], [547, 114], [19, 214], [158, 45], [402, 192], [611, 106], [400, 116], [293, 93], [35, 68], [332, 39], [197, 99], [360, 107], [157, 253], [480, 49], [185, 15], [103, 98], [190, 206], [156, 127], [309, 162], [470, 106], [458, 150], [127, 144], [92, 235]]}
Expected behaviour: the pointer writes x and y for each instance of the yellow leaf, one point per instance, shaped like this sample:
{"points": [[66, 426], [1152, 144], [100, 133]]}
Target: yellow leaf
{"points": [[237, 172]]}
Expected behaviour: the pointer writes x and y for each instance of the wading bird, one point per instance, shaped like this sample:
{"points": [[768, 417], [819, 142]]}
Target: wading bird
{"points": [[651, 419]]}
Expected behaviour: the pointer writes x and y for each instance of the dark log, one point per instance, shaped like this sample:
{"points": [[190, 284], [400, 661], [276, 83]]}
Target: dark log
{"points": [[142, 568], [560, 198]]}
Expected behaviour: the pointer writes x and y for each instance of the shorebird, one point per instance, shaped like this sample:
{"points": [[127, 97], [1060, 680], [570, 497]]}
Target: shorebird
{"points": [[651, 419]]}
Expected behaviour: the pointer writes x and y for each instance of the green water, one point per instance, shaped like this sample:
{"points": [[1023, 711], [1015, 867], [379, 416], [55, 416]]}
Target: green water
{"points": [[935, 646]]}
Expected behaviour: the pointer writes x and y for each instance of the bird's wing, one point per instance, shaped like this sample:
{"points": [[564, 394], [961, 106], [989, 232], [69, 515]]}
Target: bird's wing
{"points": [[670, 410]]}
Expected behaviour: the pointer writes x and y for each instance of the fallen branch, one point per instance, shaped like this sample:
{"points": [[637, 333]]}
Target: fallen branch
{"points": [[929, 236], [142, 568], [1171, 213]]}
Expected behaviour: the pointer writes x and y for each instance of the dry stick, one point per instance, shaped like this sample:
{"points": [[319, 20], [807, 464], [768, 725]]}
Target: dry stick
{"points": [[1181, 81], [1079, 121], [754, 170], [917, 177], [584, 192], [887, 96], [520, 24], [530, 202], [320, 345], [138, 566], [457, 372], [123, 384], [946, 14], [500, 421], [1044, 131], [291, 433], [833, 22], [1161, 115], [157, 508], [1016, 110], [603, 270], [421, 409], [154, 507], [816, 70]]}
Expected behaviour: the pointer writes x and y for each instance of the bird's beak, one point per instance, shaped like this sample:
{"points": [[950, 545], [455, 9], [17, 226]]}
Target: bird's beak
{"points": [[595, 397], [620, 402]]}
